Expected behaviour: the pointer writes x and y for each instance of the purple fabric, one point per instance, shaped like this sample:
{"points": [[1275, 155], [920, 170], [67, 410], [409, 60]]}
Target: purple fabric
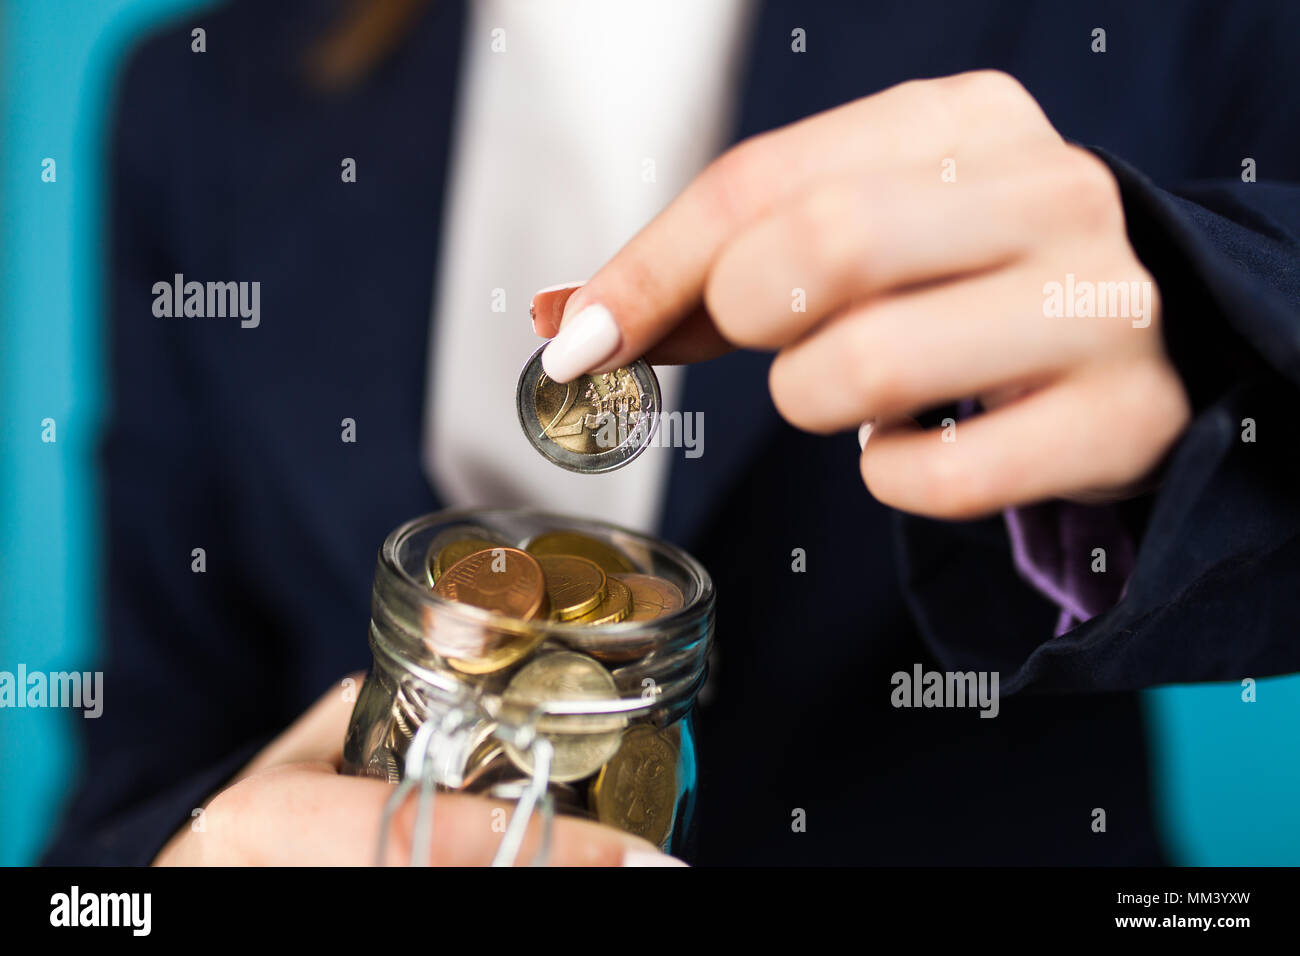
{"points": [[1052, 544]]}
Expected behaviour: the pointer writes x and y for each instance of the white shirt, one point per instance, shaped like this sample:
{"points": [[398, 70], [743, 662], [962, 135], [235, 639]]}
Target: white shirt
{"points": [[578, 121]]}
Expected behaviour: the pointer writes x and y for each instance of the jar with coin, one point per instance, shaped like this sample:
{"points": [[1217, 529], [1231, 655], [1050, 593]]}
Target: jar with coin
{"points": [[544, 659]]}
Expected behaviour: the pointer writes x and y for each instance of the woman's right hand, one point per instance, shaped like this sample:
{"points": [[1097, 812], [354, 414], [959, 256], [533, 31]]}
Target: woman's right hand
{"points": [[291, 807]]}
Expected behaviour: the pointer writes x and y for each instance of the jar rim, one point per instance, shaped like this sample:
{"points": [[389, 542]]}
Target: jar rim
{"points": [[404, 608], [389, 561]]}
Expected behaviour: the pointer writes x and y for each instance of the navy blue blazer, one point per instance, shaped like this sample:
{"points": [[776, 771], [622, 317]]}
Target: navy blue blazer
{"points": [[225, 166]]}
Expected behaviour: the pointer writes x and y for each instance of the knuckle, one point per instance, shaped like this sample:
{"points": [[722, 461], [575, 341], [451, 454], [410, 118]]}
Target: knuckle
{"points": [[783, 384], [721, 295], [994, 99], [1089, 190], [996, 84], [824, 231], [944, 490], [1154, 406], [733, 177], [879, 379], [995, 92]]}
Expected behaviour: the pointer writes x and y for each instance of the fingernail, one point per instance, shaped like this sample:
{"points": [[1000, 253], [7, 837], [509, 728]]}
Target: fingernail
{"points": [[649, 858], [586, 340], [549, 303], [865, 432]]}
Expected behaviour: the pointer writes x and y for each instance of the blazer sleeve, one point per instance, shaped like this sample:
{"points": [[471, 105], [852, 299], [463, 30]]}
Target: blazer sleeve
{"points": [[190, 649], [1209, 585], [1212, 594]]}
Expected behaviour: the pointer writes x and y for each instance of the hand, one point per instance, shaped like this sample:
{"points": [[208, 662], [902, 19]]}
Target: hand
{"points": [[291, 807], [922, 229]]}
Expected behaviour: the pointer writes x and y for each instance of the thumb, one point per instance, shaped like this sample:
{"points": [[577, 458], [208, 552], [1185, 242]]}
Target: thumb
{"points": [[317, 735]]}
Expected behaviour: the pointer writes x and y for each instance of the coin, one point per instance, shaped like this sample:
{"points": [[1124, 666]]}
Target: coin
{"points": [[637, 790], [440, 560], [652, 596], [595, 423], [582, 742], [615, 607], [453, 533], [505, 580], [575, 585], [607, 557], [392, 769]]}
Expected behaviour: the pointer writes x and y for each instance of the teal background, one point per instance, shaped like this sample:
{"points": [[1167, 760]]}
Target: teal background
{"points": [[1227, 775]]}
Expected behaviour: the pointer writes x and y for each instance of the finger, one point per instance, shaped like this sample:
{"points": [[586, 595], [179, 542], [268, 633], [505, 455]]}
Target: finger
{"points": [[658, 277], [850, 239], [694, 340], [279, 817], [1036, 447], [317, 735], [919, 349]]}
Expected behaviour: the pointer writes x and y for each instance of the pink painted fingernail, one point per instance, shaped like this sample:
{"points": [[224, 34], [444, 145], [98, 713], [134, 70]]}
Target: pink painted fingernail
{"points": [[549, 304], [586, 340]]}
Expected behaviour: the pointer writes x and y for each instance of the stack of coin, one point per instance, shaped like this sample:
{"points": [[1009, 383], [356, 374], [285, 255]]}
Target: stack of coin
{"points": [[623, 774]]}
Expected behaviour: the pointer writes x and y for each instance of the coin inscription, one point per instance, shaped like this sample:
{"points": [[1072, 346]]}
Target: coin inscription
{"points": [[593, 424], [637, 790], [591, 414]]}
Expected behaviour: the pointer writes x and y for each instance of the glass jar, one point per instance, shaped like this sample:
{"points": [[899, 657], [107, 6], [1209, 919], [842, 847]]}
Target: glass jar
{"points": [[435, 717]]}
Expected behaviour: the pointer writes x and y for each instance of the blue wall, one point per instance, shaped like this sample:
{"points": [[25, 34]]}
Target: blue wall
{"points": [[57, 60], [1229, 780]]}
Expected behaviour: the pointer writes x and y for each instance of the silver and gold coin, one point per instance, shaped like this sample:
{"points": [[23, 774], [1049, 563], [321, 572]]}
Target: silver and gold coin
{"points": [[593, 424]]}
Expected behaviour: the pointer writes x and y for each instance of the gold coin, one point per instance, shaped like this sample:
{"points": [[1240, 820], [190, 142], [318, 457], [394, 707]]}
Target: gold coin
{"points": [[575, 585], [616, 606], [445, 557], [582, 742], [652, 596], [637, 790], [607, 557], [505, 580]]}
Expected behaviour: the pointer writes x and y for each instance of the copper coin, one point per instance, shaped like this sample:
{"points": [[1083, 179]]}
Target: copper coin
{"points": [[652, 596], [505, 580]]}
